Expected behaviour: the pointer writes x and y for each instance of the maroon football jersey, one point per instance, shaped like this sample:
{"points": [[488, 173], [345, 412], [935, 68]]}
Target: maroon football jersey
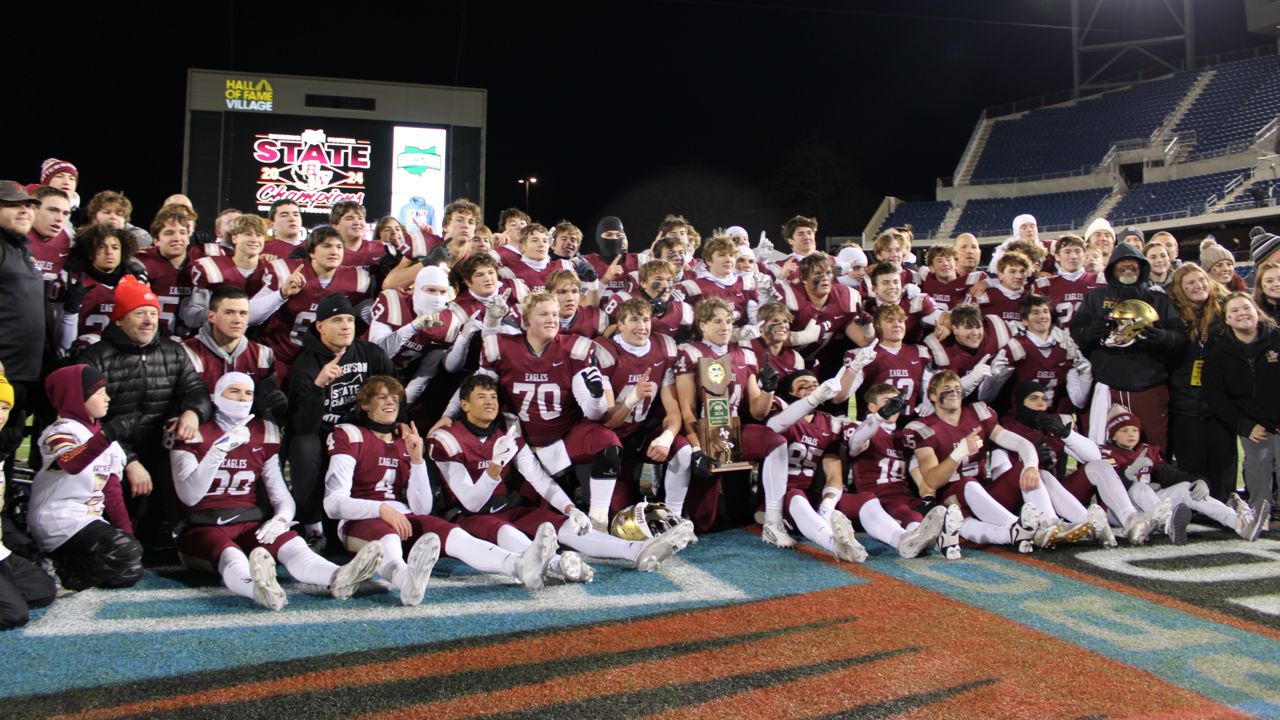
{"points": [[471, 304], [1012, 424], [807, 441], [95, 309], [196, 251], [916, 309], [785, 362], [624, 370], [833, 317], [417, 242], [588, 321], [996, 302], [1067, 294], [738, 293], [532, 277], [1122, 459], [170, 284], [253, 359], [539, 388], [676, 321], [281, 249], [1047, 366], [366, 256], [946, 295], [884, 461], [459, 445], [283, 331], [949, 355], [382, 468], [630, 263], [903, 369], [394, 309], [942, 437], [213, 271], [49, 255], [508, 255], [742, 364], [235, 484]]}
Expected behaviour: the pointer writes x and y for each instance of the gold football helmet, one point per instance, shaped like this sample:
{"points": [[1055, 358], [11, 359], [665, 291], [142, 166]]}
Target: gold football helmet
{"points": [[1128, 320], [643, 521]]}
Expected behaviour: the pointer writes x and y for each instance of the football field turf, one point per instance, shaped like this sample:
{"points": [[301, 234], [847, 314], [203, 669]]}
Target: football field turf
{"points": [[730, 628]]}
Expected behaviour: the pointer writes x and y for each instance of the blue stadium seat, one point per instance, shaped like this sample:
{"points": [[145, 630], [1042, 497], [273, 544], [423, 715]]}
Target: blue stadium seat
{"points": [[1053, 211]]}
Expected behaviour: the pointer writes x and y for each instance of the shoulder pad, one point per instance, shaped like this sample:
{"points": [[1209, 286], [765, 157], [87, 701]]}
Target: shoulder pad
{"points": [[937, 353], [390, 299], [194, 357], [748, 282], [446, 441], [1000, 329], [1016, 351], [266, 356], [788, 295], [363, 279], [270, 432], [351, 432], [919, 428], [581, 348], [668, 344], [604, 355], [691, 288], [492, 350], [982, 410]]}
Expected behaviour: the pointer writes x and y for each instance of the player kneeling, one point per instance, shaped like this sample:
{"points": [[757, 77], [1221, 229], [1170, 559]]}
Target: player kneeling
{"points": [[216, 476], [379, 490], [474, 453]]}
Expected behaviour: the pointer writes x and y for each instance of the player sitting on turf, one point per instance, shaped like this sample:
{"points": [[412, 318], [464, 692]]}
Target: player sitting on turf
{"points": [[378, 487], [888, 509], [503, 507], [812, 434], [1154, 483], [216, 475]]}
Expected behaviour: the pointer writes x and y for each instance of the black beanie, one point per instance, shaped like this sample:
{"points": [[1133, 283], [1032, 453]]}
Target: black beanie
{"points": [[334, 304]]}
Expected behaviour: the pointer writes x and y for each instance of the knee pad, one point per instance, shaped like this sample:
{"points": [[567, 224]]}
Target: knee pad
{"points": [[608, 463]]}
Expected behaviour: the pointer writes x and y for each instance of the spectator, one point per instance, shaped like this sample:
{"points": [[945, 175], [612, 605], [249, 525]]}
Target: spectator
{"points": [[22, 312], [1161, 264], [1220, 264], [1266, 293]]}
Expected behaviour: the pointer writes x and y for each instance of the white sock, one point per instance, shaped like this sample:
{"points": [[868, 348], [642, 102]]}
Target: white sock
{"points": [[773, 476], [676, 482], [511, 539], [880, 524], [1040, 498], [304, 565], [1110, 488], [601, 496], [233, 566], [392, 556], [985, 508], [985, 533], [481, 555], [810, 523], [1064, 503], [598, 544]]}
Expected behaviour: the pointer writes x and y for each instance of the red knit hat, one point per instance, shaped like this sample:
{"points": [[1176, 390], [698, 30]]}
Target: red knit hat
{"points": [[1121, 419], [131, 295], [53, 166]]}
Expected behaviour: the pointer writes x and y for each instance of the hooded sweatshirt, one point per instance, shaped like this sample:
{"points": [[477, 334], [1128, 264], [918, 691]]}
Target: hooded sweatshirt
{"points": [[1242, 381], [316, 410], [1146, 363]]}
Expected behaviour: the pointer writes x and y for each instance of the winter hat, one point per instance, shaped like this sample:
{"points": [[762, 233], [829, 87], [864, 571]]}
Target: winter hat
{"points": [[1211, 253], [53, 166], [1262, 245], [788, 382], [68, 388], [6, 391], [851, 256], [1120, 417], [1025, 389], [332, 305], [607, 224], [130, 295], [1021, 220], [1095, 226], [1131, 230], [232, 412], [737, 232]]}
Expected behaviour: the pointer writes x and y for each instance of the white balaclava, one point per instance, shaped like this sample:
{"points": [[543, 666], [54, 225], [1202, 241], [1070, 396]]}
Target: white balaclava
{"points": [[424, 303], [231, 412]]}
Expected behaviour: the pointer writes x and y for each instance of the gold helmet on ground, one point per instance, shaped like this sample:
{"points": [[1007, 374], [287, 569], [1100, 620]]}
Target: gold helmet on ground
{"points": [[643, 521], [1128, 320]]}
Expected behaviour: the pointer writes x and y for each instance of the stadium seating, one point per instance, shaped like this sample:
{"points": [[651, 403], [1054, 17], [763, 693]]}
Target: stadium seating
{"points": [[1072, 139], [923, 217], [1172, 198], [1242, 97], [994, 217]]}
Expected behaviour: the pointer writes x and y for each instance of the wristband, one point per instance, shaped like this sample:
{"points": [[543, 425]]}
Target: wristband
{"points": [[632, 400], [961, 453], [664, 440]]}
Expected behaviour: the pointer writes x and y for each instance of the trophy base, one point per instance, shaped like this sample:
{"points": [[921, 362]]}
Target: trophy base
{"points": [[732, 467]]}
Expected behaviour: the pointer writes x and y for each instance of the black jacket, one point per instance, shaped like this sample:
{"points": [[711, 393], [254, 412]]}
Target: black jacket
{"points": [[314, 409], [155, 380], [1242, 382], [1186, 380], [22, 310], [1144, 364]]}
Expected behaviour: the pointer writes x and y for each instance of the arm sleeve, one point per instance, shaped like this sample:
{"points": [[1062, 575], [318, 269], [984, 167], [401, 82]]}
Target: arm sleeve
{"points": [[538, 478], [338, 503], [592, 408], [388, 340], [780, 422], [262, 305], [192, 478], [194, 309], [74, 459], [67, 330], [1081, 448], [473, 494], [1010, 440], [113, 507], [420, 497], [273, 480], [1078, 386], [861, 437]]}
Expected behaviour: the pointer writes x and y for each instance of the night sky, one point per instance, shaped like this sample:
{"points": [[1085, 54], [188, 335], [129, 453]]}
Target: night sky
{"points": [[731, 113]]}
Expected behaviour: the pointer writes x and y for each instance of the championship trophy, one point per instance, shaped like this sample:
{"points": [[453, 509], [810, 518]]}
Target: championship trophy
{"points": [[719, 432]]}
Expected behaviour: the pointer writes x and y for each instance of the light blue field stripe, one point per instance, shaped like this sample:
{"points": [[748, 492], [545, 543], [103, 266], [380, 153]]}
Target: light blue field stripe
{"points": [[1222, 662], [44, 664]]}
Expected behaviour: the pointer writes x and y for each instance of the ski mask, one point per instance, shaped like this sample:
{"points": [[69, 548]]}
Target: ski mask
{"points": [[610, 248], [1021, 392], [232, 412], [423, 302]]}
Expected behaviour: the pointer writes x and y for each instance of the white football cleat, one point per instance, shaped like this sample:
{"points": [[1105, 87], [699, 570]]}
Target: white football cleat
{"points": [[845, 545], [362, 567], [570, 567], [776, 534], [417, 571], [534, 561], [657, 550], [927, 531], [1139, 527], [949, 541], [266, 586], [1023, 533], [1097, 518]]}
